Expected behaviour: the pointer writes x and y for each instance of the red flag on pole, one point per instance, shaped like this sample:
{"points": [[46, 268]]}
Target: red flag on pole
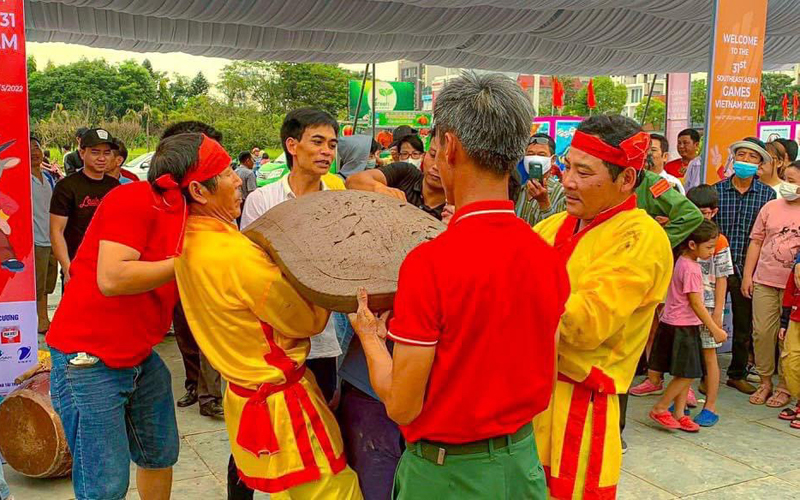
{"points": [[785, 104], [795, 104], [558, 94], [591, 102], [762, 107]]}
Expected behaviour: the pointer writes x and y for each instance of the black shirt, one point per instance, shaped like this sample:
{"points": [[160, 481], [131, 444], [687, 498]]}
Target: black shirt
{"points": [[76, 197], [72, 162], [408, 179]]}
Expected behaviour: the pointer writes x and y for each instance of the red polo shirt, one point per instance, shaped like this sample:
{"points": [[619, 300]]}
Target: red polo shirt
{"points": [[120, 330], [488, 293], [676, 167]]}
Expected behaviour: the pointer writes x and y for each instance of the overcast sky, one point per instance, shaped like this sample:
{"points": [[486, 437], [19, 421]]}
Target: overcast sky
{"points": [[62, 53]]}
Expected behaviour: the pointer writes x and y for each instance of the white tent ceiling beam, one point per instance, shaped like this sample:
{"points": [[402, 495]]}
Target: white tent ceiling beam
{"points": [[539, 36]]}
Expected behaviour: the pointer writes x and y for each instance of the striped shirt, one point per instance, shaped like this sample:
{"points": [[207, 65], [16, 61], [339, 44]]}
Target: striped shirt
{"points": [[529, 210], [737, 214]]}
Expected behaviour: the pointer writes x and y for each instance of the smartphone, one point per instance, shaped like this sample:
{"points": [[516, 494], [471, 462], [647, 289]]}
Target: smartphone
{"points": [[535, 171]]}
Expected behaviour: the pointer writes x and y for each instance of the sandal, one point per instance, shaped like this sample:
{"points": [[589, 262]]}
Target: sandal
{"points": [[760, 396], [789, 413], [779, 399], [795, 424]]}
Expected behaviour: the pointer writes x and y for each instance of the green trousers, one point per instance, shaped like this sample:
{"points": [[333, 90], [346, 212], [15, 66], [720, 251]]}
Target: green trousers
{"points": [[512, 473]]}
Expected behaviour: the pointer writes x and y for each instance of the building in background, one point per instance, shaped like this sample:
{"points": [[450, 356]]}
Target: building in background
{"points": [[638, 89]]}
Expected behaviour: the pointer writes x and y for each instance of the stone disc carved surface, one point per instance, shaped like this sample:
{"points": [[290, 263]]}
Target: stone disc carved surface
{"points": [[330, 243]]}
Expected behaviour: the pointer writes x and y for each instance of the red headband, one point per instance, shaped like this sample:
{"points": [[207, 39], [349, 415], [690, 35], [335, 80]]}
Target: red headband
{"points": [[212, 159], [632, 152]]}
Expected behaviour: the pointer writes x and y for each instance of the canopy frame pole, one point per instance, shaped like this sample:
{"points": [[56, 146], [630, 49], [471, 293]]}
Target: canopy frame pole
{"points": [[360, 99], [373, 101], [647, 104]]}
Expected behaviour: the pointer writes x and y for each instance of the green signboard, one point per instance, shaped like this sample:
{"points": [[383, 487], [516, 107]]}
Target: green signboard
{"points": [[415, 119], [389, 96]]}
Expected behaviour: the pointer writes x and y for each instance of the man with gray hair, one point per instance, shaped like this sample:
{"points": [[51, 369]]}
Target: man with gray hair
{"points": [[459, 381]]}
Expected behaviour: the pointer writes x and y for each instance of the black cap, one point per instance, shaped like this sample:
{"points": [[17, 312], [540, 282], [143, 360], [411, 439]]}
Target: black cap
{"points": [[401, 133], [95, 136]]}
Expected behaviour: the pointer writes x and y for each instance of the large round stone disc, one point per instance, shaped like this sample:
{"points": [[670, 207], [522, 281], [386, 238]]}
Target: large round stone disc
{"points": [[331, 243]]}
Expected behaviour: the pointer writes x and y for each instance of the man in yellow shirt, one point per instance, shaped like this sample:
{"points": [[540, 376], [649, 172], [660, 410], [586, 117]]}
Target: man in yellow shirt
{"points": [[254, 328], [619, 265]]}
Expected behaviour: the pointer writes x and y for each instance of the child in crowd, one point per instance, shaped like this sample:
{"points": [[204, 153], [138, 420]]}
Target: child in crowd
{"points": [[790, 335], [774, 244], [678, 347], [715, 286]]}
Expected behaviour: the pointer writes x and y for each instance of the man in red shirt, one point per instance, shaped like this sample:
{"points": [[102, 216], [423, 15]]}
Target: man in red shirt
{"points": [[474, 352], [111, 390], [688, 142]]}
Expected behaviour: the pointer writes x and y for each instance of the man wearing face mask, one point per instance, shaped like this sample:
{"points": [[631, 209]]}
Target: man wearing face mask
{"points": [[405, 181], [543, 195], [741, 197]]}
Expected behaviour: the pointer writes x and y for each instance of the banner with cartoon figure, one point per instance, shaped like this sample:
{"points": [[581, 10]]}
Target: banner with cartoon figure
{"points": [[18, 339]]}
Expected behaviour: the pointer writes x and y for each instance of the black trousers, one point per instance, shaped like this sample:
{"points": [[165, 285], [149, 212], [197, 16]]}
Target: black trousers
{"points": [[237, 490], [324, 370], [742, 328]]}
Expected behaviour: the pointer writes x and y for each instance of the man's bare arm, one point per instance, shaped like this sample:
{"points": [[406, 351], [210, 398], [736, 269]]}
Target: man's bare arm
{"points": [[373, 180], [57, 225], [120, 272], [399, 380]]}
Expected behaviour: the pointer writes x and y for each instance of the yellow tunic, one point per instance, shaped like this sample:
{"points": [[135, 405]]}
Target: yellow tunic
{"points": [[619, 272], [254, 328]]}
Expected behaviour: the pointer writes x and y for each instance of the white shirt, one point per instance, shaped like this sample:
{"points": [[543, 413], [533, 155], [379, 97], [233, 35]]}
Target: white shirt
{"points": [[674, 181], [324, 345]]}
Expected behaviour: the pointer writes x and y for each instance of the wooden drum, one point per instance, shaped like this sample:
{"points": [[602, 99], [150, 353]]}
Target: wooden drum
{"points": [[32, 438]]}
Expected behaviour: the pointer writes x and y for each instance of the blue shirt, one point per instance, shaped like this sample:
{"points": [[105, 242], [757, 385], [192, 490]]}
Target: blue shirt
{"points": [[353, 367], [42, 194], [737, 214]]}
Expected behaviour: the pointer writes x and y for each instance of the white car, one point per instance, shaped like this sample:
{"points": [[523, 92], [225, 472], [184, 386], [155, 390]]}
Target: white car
{"points": [[140, 165]]}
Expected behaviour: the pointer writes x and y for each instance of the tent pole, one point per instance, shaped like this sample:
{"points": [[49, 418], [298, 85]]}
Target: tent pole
{"points": [[649, 96], [360, 99], [373, 101]]}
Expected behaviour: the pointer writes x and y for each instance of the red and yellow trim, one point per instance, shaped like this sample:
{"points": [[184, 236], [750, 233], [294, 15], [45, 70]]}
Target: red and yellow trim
{"points": [[256, 432], [563, 486]]}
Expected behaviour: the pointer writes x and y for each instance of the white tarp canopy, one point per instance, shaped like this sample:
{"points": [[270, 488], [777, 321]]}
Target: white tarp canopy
{"points": [[531, 36]]}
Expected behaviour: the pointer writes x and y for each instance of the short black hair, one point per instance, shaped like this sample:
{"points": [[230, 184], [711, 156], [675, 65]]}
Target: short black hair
{"points": [[551, 144], [296, 122], [662, 141], [692, 133], [174, 156], [791, 148], [121, 150], [80, 131], [36, 140], [192, 126], [374, 147], [704, 196], [612, 129], [794, 164], [706, 231], [244, 155], [414, 141]]}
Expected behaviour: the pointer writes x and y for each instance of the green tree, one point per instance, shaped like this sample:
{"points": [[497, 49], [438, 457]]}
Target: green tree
{"points": [[774, 86], [31, 65], [611, 98], [698, 104], [279, 87], [136, 87], [178, 92], [656, 113], [199, 85], [96, 88]]}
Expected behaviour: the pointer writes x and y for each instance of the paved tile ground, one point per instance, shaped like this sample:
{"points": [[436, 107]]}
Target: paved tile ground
{"points": [[749, 455]]}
